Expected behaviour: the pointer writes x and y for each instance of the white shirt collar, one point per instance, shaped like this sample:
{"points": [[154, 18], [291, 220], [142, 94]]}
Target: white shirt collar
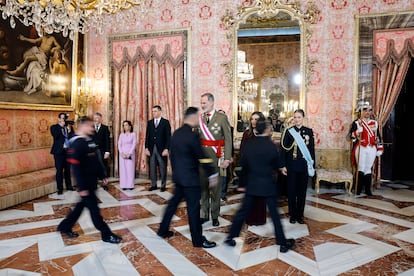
{"points": [[211, 113]]}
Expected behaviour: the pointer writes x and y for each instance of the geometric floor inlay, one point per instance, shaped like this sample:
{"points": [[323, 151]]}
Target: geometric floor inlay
{"points": [[343, 235]]}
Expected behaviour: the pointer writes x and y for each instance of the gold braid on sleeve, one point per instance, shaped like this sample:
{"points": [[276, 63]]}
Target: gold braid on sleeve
{"points": [[282, 139]]}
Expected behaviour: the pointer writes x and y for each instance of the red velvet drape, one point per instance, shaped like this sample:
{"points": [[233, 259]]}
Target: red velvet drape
{"points": [[149, 78], [389, 75]]}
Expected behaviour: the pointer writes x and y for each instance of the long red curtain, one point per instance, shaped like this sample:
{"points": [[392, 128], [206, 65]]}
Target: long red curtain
{"points": [[151, 75], [389, 75]]}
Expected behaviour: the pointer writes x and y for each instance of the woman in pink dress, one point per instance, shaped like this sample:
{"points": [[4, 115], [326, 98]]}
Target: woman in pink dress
{"points": [[126, 146]]}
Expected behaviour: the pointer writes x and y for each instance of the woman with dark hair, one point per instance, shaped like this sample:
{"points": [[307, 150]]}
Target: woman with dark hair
{"points": [[296, 164], [126, 146], [257, 215]]}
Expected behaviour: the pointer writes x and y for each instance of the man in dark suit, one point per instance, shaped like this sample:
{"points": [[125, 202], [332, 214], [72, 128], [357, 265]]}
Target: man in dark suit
{"points": [[61, 135], [157, 144], [186, 157], [102, 139], [259, 160]]}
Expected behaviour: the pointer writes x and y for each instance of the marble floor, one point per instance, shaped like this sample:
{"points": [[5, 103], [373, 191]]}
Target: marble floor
{"points": [[343, 235]]}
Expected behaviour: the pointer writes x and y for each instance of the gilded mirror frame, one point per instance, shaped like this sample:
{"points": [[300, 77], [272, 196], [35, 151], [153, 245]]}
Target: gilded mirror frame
{"points": [[268, 9]]}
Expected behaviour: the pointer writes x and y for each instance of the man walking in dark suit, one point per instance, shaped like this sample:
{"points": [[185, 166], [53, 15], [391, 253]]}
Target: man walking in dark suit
{"points": [[259, 160], [186, 157], [157, 144], [61, 135], [102, 139]]}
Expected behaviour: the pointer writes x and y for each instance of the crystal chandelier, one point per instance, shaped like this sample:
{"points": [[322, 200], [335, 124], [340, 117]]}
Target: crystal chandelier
{"points": [[70, 16], [244, 69]]}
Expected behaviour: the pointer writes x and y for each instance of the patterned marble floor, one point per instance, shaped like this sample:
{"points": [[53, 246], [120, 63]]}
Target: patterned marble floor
{"points": [[343, 235]]}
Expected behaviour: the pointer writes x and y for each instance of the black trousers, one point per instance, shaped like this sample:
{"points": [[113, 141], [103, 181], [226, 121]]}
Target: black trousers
{"points": [[62, 170], [156, 160], [90, 202], [297, 185], [243, 212], [192, 197]]}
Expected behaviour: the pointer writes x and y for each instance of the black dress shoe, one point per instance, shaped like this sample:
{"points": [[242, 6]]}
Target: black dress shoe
{"points": [[216, 222], [167, 234], [112, 239], [292, 220], [70, 189], [59, 192], [70, 234], [162, 189], [290, 243], [203, 220], [230, 241], [152, 188], [300, 221], [208, 244], [224, 198]]}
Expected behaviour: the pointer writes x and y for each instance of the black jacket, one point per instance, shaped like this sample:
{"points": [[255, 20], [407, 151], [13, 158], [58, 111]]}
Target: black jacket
{"points": [[186, 155], [57, 132], [299, 163], [159, 136], [259, 160], [102, 139], [87, 166]]}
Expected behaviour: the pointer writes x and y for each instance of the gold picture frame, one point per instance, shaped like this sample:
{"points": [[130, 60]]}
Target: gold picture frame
{"points": [[37, 72]]}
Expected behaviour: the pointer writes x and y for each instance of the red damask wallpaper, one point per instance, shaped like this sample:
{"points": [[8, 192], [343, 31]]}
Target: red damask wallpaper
{"points": [[25, 129], [332, 44]]}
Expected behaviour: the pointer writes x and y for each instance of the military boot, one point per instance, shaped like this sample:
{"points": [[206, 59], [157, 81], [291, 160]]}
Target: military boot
{"points": [[368, 184], [360, 182]]}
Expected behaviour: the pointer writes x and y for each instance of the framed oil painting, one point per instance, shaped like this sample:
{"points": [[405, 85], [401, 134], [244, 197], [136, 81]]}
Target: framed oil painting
{"points": [[36, 72]]}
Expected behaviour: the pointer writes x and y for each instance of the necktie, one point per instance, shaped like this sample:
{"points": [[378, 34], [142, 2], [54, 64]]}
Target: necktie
{"points": [[156, 123], [96, 128], [208, 117]]}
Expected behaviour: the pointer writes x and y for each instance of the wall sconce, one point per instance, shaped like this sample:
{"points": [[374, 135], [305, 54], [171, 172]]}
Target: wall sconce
{"points": [[85, 94]]}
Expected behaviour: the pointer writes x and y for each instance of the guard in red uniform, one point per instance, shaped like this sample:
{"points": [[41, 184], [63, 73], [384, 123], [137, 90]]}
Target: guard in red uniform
{"points": [[367, 142]]}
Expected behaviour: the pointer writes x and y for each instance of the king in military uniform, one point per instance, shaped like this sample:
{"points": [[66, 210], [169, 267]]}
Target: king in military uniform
{"points": [[215, 134]]}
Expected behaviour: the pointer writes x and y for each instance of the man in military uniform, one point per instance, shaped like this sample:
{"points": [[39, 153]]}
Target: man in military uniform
{"points": [[367, 145], [87, 167], [217, 143]]}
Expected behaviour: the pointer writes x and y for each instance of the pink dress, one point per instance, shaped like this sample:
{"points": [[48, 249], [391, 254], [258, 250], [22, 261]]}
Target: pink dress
{"points": [[126, 145]]}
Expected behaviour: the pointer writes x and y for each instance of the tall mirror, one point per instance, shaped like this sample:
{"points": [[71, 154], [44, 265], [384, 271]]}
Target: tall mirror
{"points": [[271, 49], [270, 65]]}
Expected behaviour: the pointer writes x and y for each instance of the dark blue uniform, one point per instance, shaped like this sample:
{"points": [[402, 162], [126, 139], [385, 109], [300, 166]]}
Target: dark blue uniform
{"points": [[186, 154], [87, 168], [259, 160], [297, 178]]}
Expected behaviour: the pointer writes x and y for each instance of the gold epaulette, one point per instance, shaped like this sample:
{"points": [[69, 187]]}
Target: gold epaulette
{"points": [[205, 160]]}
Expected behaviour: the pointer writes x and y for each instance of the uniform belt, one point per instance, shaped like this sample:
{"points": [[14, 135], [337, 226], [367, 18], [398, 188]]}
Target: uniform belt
{"points": [[214, 143]]}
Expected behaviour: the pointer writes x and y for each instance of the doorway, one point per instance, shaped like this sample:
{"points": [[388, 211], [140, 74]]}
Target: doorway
{"points": [[397, 135]]}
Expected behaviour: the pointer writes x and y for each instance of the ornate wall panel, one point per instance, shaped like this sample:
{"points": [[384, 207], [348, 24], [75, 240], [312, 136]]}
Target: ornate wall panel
{"points": [[331, 84]]}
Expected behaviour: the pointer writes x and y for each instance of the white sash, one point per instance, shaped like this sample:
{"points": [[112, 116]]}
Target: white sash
{"points": [[368, 129], [206, 132]]}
